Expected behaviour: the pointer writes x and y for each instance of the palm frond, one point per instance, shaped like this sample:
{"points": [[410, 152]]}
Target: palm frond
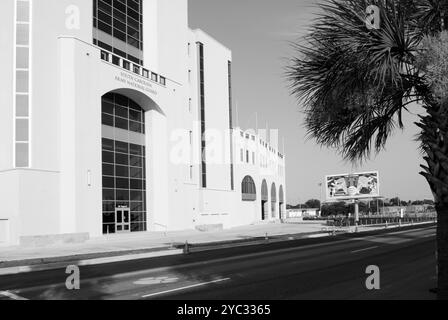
{"points": [[430, 14], [354, 83]]}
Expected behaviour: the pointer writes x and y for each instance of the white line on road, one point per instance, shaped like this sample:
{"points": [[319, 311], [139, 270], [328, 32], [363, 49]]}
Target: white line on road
{"points": [[185, 288], [370, 248], [11, 295]]}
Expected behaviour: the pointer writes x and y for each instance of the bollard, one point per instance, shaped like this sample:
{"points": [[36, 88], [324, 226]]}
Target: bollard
{"points": [[266, 237], [186, 248], [334, 231], [386, 224]]}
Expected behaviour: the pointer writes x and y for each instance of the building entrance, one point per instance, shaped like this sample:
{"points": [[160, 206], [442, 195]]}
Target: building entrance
{"points": [[124, 165], [122, 220]]}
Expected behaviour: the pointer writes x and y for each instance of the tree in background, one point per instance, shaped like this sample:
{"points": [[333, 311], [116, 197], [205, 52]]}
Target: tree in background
{"points": [[394, 202], [355, 81], [334, 209], [312, 204]]}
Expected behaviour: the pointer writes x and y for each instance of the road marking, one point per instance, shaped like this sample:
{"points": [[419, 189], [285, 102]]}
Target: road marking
{"points": [[11, 295], [156, 280], [88, 262], [370, 248], [185, 288]]}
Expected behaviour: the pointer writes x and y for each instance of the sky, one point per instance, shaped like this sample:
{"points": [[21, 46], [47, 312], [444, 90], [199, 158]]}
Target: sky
{"points": [[260, 33]]}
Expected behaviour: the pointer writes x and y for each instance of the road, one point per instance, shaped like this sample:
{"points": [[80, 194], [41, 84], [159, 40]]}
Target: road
{"points": [[289, 270]]}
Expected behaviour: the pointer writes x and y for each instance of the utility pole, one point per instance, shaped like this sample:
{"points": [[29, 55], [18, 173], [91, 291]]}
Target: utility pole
{"points": [[256, 123], [237, 115], [268, 133], [283, 142]]}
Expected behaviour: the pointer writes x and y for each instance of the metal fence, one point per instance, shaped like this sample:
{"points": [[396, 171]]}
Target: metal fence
{"points": [[381, 220]]}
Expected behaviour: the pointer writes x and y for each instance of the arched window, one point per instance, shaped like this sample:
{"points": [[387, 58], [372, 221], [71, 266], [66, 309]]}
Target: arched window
{"points": [[273, 201], [273, 193], [281, 202], [281, 195], [264, 191], [249, 191], [123, 113]]}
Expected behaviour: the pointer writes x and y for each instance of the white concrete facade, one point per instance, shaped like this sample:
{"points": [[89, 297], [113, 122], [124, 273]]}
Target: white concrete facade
{"points": [[51, 174]]}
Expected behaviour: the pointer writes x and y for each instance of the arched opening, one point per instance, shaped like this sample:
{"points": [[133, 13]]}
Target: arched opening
{"points": [[281, 201], [273, 200], [264, 200], [123, 164], [248, 189]]}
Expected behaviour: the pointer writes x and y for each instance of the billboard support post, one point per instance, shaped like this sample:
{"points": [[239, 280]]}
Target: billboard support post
{"points": [[356, 213]]}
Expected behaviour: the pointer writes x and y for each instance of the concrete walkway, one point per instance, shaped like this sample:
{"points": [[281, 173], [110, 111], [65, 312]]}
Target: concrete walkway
{"points": [[132, 243]]}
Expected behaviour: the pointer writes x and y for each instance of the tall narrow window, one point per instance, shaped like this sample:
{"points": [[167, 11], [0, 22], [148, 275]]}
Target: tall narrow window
{"points": [[202, 113], [229, 73], [22, 85]]}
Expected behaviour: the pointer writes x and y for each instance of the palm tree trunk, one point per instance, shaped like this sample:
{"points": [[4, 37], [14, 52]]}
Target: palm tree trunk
{"points": [[442, 253], [434, 139]]}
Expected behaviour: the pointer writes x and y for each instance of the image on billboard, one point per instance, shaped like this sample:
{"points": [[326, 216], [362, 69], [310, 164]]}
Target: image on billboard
{"points": [[352, 186]]}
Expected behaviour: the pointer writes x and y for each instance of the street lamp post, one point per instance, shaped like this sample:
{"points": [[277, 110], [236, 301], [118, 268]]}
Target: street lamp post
{"points": [[320, 202]]}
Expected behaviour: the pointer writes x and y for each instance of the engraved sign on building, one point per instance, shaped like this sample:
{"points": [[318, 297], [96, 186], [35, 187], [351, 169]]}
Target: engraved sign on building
{"points": [[136, 82]]}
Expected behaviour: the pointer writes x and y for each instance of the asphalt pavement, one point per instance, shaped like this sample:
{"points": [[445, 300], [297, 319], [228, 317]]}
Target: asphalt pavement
{"points": [[333, 269]]}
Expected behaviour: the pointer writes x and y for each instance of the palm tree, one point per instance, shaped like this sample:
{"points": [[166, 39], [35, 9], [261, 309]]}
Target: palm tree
{"points": [[355, 82]]}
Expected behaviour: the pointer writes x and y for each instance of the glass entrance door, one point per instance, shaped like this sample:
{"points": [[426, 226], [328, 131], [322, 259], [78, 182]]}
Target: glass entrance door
{"points": [[122, 220]]}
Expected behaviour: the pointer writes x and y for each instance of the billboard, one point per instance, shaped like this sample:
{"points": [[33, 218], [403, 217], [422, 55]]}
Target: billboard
{"points": [[352, 186]]}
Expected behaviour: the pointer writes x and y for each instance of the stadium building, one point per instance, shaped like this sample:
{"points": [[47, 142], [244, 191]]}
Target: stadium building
{"points": [[116, 117]]}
